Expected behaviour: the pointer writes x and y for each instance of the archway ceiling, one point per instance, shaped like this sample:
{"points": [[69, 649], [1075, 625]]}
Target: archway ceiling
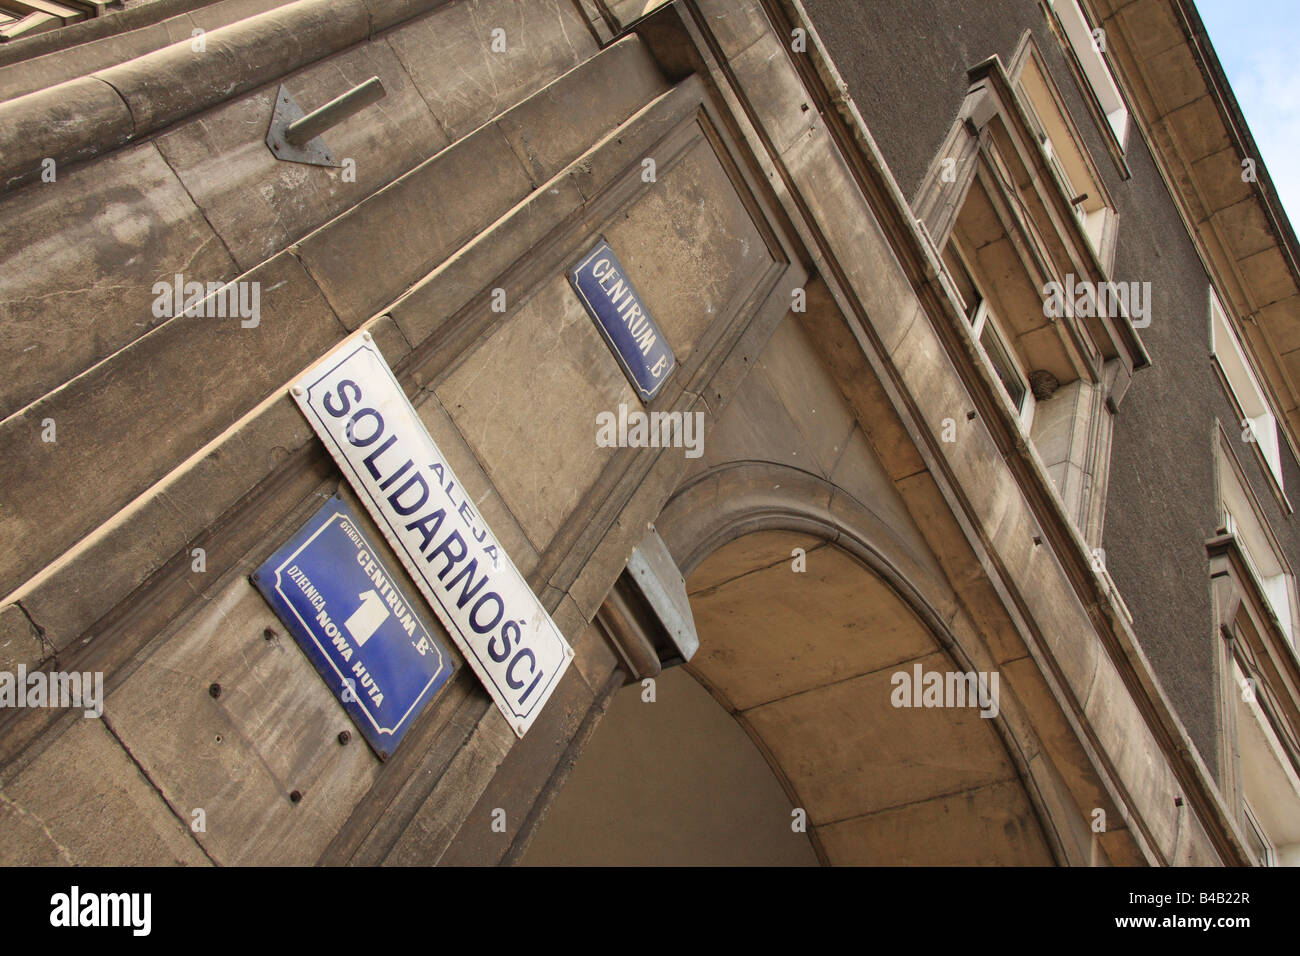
{"points": [[805, 659]]}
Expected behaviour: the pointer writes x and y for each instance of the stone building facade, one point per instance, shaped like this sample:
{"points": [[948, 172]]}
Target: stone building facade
{"points": [[987, 318]]}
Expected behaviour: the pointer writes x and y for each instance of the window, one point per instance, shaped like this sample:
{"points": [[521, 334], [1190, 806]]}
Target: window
{"points": [[1090, 50], [1268, 574], [1066, 156], [1241, 519], [1269, 785], [1258, 839], [1258, 424], [1014, 381], [987, 332]]}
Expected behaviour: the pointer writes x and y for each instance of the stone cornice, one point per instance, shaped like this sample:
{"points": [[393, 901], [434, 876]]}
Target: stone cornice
{"points": [[95, 114], [1199, 139]]}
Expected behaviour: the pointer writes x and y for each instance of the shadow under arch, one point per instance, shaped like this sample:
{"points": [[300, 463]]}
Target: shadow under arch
{"points": [[745, 500]]}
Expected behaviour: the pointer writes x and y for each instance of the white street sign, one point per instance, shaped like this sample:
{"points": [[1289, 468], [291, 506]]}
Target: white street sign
{"points": [[356, 406]]}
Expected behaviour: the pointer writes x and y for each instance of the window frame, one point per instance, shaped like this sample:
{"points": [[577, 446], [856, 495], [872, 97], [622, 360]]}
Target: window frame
{"points": [[1255, 538], [981, 319], [1031, 71], [1253, 408], [1260, 834], [984, 321], [1099, 80], [1269, 807]]}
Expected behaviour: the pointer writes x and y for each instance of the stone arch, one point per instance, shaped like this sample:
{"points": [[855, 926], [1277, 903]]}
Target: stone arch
{"points": [[733, 508]]}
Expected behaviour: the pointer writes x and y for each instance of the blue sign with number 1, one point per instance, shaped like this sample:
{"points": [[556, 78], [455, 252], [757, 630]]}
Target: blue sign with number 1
{"points": [[341, 602]]}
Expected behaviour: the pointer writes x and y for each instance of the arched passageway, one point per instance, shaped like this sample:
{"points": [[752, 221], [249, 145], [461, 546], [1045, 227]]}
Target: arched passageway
{"points": [[800, 643], [671, 782]]}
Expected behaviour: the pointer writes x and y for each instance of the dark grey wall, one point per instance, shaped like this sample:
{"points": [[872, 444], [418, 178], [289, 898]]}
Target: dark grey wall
{"points": [[905, 62]]}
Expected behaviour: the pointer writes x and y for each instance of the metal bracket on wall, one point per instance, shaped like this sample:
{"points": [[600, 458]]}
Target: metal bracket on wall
{"points": [[296, 137], [656, 576], [646, 616]]}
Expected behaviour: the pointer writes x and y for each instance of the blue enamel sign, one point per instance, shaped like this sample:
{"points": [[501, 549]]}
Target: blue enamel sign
{"points": [[635, 338], [340, 601]]}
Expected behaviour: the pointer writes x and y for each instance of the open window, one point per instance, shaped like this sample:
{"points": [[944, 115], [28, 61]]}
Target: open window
{"points": [[1089, 47], [1258, 618], [1240, 516], [1257, 421], [1067, 157], [991, 264], [988, 331]]}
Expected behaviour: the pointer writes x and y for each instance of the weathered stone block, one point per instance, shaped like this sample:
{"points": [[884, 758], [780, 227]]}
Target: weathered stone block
{"points": [[843, 355], [557, 123], [690, 247], [838, 205], [258, 203], [78, 261], [869, 762], [541, 40], [25, 76], [808, 394], [765, 72], [762, 639], [84, 803], [476, 483], [438, 296], [859, 473], [757, 426], [272, 730], [992, 825], [128, 421], [140, 540], [593, 656], [362, 263], [499, 393], [170, 84], [442, 813], [735, 25], [68, 122], [519, 780], [19, 642], [1122, 732]]}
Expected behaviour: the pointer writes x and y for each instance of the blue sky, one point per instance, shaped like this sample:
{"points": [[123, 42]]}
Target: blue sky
{"points": [[1258, 42]]}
